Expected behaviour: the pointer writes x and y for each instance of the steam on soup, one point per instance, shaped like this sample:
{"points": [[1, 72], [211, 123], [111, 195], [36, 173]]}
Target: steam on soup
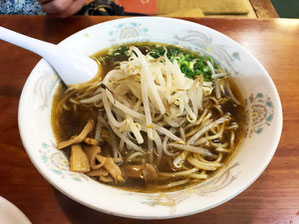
{"points": [[162, 118]]}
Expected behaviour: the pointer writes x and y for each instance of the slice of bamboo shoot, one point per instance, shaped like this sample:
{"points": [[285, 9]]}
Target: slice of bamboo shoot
{"points": [[79, 160]]}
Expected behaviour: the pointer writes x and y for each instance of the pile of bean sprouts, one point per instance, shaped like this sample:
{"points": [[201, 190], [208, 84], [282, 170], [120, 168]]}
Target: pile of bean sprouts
{"points": [[150, 110]]}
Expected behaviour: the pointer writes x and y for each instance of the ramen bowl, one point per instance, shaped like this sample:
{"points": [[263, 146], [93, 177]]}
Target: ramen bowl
{"points": [[263, 121]]}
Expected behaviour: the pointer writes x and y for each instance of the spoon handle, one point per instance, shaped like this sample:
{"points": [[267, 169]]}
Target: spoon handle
{"points": [[72, 67], [31, 44]]}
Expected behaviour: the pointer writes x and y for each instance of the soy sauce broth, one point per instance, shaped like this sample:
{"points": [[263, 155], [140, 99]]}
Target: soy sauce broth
{"points": [[67, 123]]}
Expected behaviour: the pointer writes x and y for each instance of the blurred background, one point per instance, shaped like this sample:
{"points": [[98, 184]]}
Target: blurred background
{"points": [[215, 8], [169, 8], [286, 8]]}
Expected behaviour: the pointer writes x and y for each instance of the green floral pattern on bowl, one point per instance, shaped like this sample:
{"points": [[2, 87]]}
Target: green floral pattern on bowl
{"points": [[259, 109], [263, 121]]}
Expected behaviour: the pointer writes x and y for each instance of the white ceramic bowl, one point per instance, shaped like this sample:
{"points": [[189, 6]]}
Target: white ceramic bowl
{"points": [[263, 120]]}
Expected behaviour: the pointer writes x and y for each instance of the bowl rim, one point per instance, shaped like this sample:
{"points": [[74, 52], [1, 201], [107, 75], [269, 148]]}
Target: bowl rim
{"points": [[274, 145]]}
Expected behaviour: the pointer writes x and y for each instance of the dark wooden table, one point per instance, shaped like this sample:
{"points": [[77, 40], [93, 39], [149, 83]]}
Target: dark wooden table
{"points": [[273, 198]]}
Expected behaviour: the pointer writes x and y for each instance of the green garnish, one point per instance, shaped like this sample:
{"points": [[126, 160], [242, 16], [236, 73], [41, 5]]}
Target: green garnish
{"points": [[190, 63]]}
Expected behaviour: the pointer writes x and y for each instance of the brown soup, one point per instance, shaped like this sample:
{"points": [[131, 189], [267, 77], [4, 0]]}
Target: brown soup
{"points": [[70, 121]]}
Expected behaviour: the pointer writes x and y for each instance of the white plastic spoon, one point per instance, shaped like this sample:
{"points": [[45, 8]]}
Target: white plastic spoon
{"points": [[72, 67]]}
